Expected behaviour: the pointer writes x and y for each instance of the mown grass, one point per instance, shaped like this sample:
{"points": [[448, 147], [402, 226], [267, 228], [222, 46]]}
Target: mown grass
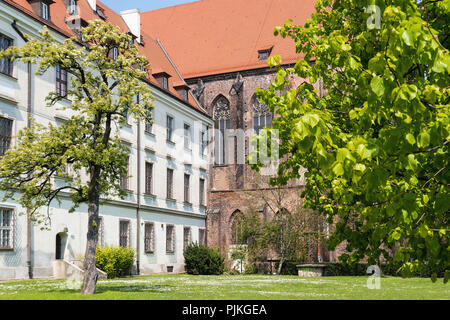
{"points": [[185, 287]]}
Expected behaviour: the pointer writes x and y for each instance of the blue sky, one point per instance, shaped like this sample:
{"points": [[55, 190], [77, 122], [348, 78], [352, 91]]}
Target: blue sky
{"points": [[144, 5]]}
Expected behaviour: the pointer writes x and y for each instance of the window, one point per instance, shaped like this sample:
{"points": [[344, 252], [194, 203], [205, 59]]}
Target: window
{"points": [[187, 188], [124, 181], [169, 128], [203, 142], [222, 123], [124, 233], [45, 10], [236, 228], [149, 238], [6, 229], [187, 237], [61, 81], [148, 178], [170, 239], [72, 7], [5, 135], [169, 184], [148, 125], [115, 54], [201, 236], [187, 136], [100, 13], [186, 94], [165, 82], [202, 192], [264, 54], [6, 65], [101, 231], [262, 116]]}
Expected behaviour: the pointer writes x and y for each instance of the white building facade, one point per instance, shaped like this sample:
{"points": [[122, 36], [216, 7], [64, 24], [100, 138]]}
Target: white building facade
{"points": [[166, 204]]}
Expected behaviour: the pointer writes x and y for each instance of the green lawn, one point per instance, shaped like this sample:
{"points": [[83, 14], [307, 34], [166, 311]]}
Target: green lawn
{"points": [[185, 287]]}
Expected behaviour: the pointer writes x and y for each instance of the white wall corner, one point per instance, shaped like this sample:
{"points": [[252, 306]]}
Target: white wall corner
{"points": [[93, 4], [133, 20]]}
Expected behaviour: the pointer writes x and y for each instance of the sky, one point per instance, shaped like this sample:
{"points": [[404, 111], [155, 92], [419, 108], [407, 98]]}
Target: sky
{"points": [[144, 5]]}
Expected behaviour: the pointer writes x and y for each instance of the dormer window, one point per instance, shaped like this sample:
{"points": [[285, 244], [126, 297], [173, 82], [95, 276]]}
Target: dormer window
{"points": [[163, 79], [115, 54], [101, 13], [45, 11], [264, 54], [183, 91], [72, 7]]}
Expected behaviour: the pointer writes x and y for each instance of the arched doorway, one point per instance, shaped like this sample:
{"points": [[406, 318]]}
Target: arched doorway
{"points": [[60, 246]]}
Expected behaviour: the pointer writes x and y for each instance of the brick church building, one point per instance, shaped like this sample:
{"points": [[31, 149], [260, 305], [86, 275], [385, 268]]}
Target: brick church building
{"points": [[221, 48]]}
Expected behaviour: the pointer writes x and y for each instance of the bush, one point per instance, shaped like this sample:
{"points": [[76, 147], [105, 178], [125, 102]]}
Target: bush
{"points": [[115, 261], [201, 260]]}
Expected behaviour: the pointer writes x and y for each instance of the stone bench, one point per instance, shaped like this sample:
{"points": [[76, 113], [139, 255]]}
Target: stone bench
{"points": [[311, 270]]}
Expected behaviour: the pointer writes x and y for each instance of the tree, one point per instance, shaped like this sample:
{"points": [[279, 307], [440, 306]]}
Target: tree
{"points": [[290, 232], [103, 92], [375, 140]]}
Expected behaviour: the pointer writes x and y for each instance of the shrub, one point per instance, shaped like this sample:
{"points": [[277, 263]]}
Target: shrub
{"points": [[201, 260], [115, 261]]}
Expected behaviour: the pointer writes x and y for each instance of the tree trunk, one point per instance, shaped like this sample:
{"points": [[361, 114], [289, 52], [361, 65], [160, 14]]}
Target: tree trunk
{"points": [[90, 269], [280, 266]]}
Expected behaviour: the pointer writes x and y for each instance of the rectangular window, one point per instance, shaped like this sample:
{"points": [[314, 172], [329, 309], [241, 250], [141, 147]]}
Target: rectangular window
{"points": [[45, 10], [115, 54], [202, 192], [186, 94], [187, 188], [169, 128], [5, 135], [187, 136], [166, 83], [72, 7], [201, 236], [187, 237], [169, 184], [149, 238], [61, 81], [148, 125], [148, 178], [125, 180], [6, 229], [124, 234], [6, 65], [170, 239]]}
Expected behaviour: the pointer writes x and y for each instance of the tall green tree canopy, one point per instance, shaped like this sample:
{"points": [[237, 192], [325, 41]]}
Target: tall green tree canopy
{"points": [[375, 140], [103, 93]]}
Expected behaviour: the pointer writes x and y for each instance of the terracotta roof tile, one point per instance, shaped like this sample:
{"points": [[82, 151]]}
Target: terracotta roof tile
{"points": [[219, 36]]}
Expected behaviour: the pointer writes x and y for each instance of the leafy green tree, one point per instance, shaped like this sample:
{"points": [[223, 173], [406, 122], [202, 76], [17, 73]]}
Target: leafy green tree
{"points": [[375, 139], [103, 92]]}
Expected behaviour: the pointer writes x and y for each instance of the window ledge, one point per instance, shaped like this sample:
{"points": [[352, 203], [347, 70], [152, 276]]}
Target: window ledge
{"points": [[187, 204], [8, 76], [170, 142], [150, 134], [150, 196], [149, 252], [171, 200], [6, 249], [221, 165]]}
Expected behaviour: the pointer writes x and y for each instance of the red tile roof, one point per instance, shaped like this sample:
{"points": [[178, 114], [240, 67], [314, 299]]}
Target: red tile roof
{"points": [[220, 36], [151, 49]]}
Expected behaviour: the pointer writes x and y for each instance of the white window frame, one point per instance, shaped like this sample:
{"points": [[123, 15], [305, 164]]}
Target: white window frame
{"points": [[10, 228]]}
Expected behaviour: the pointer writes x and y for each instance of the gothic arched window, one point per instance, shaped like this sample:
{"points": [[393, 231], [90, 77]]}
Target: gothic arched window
{"points": [[236, 228], [222, 124], [262, 117]]}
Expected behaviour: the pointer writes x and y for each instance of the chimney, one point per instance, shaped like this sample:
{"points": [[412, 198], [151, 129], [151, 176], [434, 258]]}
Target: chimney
{"points": [[93, 4], [133, 20]]}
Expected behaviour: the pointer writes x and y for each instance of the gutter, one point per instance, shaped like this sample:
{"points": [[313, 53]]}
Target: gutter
{"points": [[29, 119]]}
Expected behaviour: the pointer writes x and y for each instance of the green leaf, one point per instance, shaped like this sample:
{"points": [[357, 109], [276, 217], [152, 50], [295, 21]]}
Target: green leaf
{"points": [[377, 86], [410, 138], [338, 169]]}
